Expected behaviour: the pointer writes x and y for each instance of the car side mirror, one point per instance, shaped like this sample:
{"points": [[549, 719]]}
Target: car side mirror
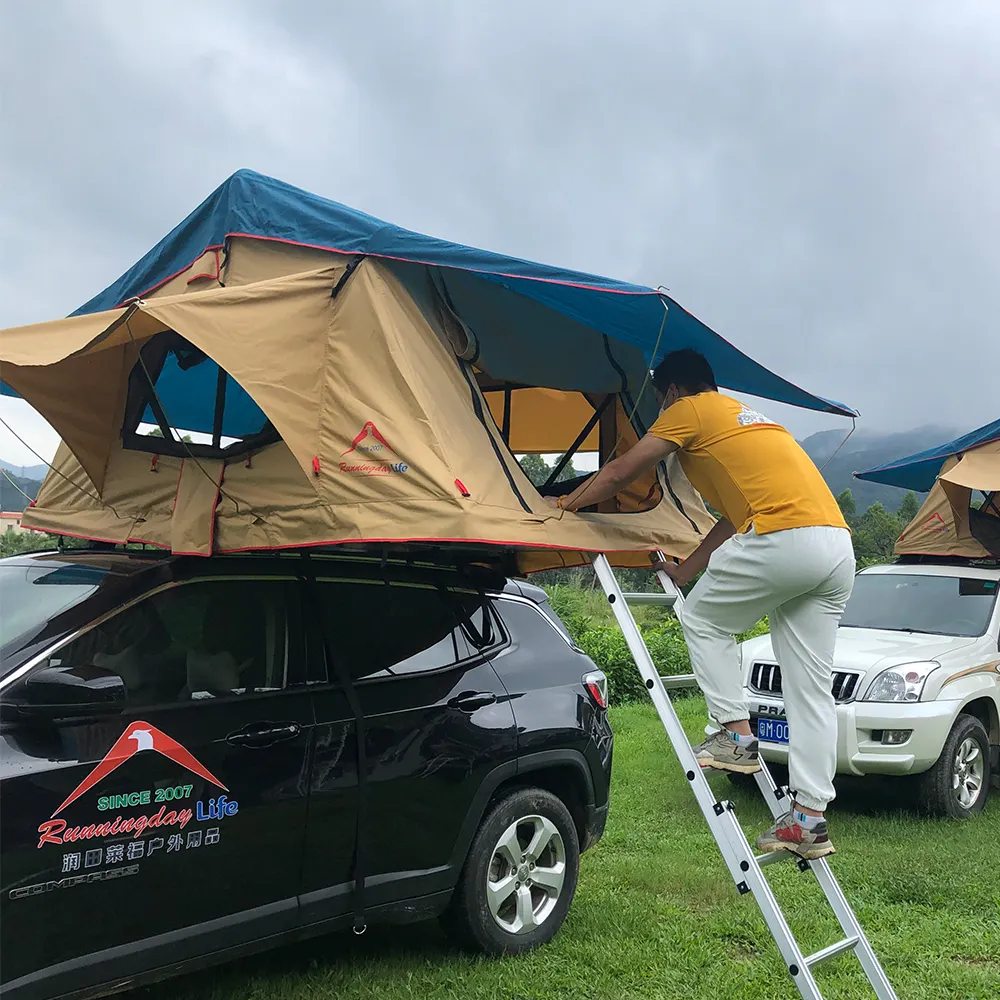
{"points": [[66, 691]]}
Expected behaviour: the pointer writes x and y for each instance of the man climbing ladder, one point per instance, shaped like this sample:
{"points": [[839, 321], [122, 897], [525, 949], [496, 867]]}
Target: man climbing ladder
{"points": [[781, 548]]}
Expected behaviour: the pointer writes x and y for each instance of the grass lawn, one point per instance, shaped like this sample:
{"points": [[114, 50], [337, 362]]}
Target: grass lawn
{"points": [[656, 914]]}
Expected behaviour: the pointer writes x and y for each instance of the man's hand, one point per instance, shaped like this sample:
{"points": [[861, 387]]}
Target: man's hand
{"points": [[677, 573], [552, 501], [620, 472]]}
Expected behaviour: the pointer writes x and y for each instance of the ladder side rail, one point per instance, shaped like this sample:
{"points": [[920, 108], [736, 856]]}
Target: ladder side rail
{"points": [[703, 793], [778, 801], [851, 927], [721, 816]]}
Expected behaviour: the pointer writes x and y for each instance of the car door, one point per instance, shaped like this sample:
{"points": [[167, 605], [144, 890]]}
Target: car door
{"points": [[436, 715], [175, 827]]}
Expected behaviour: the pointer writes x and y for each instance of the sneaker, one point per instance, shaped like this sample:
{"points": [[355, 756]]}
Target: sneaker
{"points": [[721, 751], [787, 835]]}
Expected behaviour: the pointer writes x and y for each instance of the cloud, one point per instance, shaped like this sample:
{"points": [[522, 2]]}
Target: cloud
{"points": [[816, 181]]}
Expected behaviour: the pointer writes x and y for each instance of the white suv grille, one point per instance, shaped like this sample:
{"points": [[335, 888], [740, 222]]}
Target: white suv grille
{"points": [[765, 678]]}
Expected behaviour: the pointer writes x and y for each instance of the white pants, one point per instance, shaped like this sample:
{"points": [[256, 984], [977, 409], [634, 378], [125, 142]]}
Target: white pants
{"points": [[802, 578]]}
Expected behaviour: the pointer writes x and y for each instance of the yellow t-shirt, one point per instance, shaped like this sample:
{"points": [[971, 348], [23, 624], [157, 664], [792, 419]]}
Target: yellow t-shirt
{"points": [[746, 466]]}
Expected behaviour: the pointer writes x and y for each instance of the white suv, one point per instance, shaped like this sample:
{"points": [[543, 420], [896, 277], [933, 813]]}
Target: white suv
{"points": [[916, 681]]}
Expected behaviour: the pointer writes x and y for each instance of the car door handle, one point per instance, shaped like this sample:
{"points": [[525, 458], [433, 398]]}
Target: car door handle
{"points": [[470, 701], [264, 734]]}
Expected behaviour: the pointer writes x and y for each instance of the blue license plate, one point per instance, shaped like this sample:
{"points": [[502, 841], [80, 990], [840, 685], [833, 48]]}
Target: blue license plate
{"points": [[772, 730]]}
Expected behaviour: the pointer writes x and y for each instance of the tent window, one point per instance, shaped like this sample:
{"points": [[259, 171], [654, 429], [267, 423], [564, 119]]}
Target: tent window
{"points": [[195, 406], [984, 523], [535, 420]]}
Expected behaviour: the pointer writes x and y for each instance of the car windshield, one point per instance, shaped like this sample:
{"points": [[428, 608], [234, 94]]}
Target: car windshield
{"points": [[31, 594], [939, 605]]}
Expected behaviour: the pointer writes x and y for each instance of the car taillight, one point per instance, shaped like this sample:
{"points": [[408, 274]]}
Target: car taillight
{"points": [[596, 684]]}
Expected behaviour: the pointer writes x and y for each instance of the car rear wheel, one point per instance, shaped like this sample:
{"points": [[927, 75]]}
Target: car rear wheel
{"points": [[958, 783], [519, 878]]}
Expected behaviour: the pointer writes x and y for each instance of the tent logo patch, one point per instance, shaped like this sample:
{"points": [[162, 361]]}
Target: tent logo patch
{"points": [[935, 523], [370, 443]]}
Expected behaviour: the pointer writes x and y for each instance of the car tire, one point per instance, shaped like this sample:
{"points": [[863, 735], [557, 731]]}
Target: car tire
{"points": [[957, 785], [504, 905]]}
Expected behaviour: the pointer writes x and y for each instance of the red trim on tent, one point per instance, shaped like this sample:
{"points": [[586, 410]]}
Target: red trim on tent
{"points": [[169, 277], [98, 538], [382, 256], [206, 274], [211, 523]]}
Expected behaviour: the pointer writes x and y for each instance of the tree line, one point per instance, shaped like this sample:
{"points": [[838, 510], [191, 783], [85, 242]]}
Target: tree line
{"points": [[876, 530]]}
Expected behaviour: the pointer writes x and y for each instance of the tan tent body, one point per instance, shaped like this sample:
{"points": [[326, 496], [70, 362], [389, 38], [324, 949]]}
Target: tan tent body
{"points": [[947, 524], [378, 429]]}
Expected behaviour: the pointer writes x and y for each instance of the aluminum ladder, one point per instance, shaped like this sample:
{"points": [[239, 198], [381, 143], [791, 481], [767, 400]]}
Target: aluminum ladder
{"points": [[745, 866]]}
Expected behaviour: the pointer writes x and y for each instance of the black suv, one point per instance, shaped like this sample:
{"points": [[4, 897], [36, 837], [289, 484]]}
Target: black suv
{"points": [[205, 757]]}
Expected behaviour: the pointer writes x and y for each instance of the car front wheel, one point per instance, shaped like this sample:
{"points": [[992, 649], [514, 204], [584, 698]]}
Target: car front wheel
{"points": [[519, 878], [958, 783]]}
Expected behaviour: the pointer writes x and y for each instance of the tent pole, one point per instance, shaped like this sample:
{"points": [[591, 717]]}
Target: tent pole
{"points": [[577, 444], [609, 441]]}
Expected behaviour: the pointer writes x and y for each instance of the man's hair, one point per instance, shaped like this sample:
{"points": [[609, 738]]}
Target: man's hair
{"points": [[687, 369]]}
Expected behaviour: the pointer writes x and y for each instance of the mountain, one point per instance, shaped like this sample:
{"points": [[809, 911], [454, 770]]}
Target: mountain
{"points": [[25, 471], [865, 449], [10, 498]]}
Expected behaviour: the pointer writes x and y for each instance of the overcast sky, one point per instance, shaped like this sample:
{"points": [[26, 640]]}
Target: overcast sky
{"points": [[816, 181]]}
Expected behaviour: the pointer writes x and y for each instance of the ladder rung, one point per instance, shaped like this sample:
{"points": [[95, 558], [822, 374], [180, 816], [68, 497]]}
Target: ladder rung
{"points": [[679, 681], [835, 949], [773, 857], [660, 598]]}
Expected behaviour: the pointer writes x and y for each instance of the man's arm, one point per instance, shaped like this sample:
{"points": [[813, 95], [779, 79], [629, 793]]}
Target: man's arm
{"points": [[683, 574], [620, 472]]}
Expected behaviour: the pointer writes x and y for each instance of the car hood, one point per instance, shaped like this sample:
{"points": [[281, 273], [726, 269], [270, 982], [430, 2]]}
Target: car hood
{"points": [[861, 650]]}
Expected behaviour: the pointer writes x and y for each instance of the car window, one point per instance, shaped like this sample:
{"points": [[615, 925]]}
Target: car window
{"points": [[938, 605], [32, 594], [201, 640], [386, 630], [478, 619]]}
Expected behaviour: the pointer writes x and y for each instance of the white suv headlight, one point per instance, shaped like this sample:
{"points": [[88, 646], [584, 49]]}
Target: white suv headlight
{"points": [[904, 682]]}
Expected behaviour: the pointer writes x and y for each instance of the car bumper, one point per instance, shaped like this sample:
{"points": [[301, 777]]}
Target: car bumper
{"points": [[595, 821], [860, 725]]}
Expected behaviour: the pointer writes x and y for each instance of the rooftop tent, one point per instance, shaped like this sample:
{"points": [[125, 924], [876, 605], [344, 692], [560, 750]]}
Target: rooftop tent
{"points": [[919, 472], [347, 381], [949, 524]]}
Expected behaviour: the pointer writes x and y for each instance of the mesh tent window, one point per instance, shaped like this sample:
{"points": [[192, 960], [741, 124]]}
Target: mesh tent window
{"points": [[172, 375]]}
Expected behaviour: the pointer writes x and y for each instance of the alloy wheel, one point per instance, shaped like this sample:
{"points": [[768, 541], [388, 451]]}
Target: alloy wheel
{"points": [[526, 873], [968, 773]]}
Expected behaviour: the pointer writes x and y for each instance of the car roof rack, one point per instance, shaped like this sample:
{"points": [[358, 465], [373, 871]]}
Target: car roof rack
{"points": [[985, 562]]}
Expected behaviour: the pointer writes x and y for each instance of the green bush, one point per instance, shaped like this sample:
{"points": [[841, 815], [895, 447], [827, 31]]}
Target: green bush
{"points": [[13, 543], [589, 619]]}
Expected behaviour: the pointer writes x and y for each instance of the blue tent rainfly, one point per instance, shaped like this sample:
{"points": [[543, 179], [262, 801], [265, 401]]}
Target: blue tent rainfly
{"points": [[918, 472], [252, 205]]}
